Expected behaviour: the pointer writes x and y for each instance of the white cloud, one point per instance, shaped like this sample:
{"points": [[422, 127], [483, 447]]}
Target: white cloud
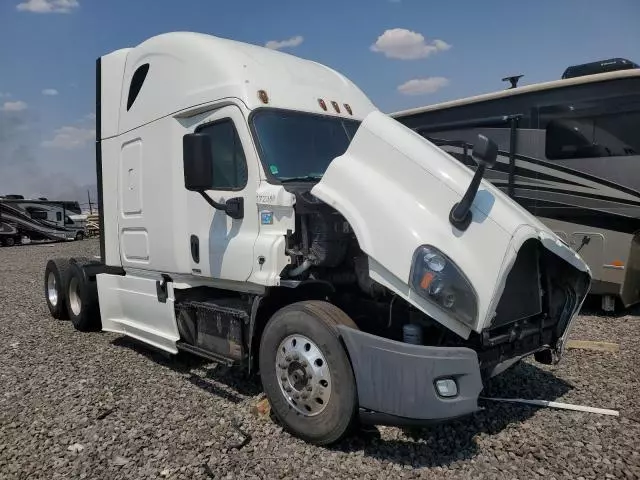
{"points": [[90, 116], [407, 45], [70, 137], [48, 6], [16, 106], [420, 86], [50, 92], [278, 44]]}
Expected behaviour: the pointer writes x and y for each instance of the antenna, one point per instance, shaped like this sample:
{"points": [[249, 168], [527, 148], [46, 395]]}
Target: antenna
{"points": [[514, 80]]}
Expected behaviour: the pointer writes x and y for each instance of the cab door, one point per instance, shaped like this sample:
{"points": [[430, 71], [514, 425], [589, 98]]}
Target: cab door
{"points": [[221, 247]]}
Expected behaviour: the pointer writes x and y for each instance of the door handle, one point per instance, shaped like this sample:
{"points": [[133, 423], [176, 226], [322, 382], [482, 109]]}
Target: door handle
{"points": [[195, 248]]}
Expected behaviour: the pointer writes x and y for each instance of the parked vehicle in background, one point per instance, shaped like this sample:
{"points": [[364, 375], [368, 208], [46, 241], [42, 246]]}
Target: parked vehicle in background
{"points": [[39, 219], [569, 153]]}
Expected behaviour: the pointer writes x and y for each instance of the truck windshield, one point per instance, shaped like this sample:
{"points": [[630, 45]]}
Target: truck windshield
{"points": [[300, 146]]}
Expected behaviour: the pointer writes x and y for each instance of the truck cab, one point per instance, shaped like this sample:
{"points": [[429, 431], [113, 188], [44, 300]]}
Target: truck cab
{"points": [[257, 209]]}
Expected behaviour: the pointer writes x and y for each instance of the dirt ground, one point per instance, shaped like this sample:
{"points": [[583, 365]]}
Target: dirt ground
{"points": [[98, 405]]}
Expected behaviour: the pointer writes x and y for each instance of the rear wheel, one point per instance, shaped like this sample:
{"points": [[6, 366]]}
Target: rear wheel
{"points": [[82, 300], [306, 372], [56, 275], [79, 236], [10, 241]]}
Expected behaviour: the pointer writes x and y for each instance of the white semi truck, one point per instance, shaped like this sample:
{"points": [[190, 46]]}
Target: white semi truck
{"points": [[257, 209]]}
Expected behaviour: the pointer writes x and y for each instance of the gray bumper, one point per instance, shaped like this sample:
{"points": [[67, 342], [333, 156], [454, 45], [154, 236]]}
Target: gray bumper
{"points": [[396, 380]]}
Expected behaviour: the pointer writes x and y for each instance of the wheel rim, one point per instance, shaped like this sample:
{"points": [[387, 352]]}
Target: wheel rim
{"points": [[303, 375], [52, 289], [74, 296]]}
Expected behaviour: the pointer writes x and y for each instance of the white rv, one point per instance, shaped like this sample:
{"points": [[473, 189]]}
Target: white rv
{"points": [[257, 209]]}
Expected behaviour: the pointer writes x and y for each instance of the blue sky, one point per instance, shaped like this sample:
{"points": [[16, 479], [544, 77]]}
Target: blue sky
{"points": [[402, 53]]}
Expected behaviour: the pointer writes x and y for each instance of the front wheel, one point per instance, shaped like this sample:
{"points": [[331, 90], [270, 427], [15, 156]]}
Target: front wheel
{"points": [[306, 373]]}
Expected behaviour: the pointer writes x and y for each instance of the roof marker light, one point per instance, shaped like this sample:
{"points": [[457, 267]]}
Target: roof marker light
{"points": [[336, 107], [348, 108], [262, 95], [322, 104]]}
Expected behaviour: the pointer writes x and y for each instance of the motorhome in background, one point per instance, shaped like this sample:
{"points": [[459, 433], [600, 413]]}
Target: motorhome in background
{"points": [[569, 153], [39, 219]]}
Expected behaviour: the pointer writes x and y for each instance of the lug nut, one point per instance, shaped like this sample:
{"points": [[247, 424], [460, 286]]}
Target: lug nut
{"points": [[309, 388], [287, 358], [305, 396], [296, 357], [296, 396], [283, 377], [287, 389], [282, 365]]}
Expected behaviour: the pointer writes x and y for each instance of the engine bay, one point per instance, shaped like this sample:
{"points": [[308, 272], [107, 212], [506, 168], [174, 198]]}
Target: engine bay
{"points": [[530, 317]]}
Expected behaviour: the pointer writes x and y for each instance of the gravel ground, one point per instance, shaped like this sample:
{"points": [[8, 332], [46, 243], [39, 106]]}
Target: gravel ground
{"points": [[76, 405]]}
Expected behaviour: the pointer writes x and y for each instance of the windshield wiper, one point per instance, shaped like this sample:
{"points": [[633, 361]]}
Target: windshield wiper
{"points": [[304, 178]]}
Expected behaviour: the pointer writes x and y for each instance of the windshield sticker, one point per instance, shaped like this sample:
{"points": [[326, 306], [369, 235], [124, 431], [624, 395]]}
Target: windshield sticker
{"points": [[273, 169]]}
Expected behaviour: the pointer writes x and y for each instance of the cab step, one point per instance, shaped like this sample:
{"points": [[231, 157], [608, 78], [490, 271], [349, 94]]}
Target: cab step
{"points": [[201, 352]]}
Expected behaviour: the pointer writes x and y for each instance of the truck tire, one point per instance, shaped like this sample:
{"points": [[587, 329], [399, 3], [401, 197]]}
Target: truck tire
{"points": [[79, 236], [82, 300], [56, 277], [306, 373], [9, 241]]}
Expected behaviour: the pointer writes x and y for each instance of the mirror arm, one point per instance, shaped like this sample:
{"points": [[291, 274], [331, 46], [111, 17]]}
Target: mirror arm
{"points": [[237, 213], [212, 202], [460, 215]]}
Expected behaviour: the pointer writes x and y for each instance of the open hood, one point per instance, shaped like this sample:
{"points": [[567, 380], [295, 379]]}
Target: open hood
{"points": [[396, 189]]}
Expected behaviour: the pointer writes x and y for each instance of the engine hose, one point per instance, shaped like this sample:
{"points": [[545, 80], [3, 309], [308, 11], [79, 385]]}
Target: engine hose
{"points": [[300, 269]]}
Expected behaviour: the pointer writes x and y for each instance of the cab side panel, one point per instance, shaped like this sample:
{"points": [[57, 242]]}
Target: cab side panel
{"points": [[150, 198]]}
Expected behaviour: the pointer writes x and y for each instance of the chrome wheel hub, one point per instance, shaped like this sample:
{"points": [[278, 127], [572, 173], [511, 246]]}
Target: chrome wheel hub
{"points": [[52, 289], [303, 375], [74, 296]]}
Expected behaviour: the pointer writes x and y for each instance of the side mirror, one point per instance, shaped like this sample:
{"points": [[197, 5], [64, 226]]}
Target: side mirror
{"points": [[197, 158], [198, 162], [485, 151]]}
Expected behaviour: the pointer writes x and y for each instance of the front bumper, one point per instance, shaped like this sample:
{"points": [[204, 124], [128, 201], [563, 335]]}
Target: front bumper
{"points": [[396, 381]]}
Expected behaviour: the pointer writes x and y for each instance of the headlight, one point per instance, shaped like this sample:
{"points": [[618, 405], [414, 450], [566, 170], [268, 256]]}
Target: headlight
{"points": [[437, 279]]}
